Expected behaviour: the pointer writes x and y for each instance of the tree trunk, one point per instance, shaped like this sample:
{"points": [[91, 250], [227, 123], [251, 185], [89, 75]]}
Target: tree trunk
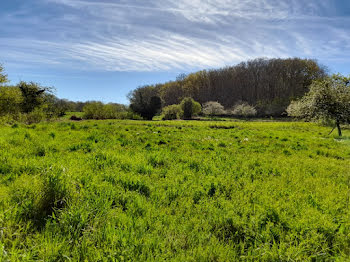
{"points": [[339, 129]]}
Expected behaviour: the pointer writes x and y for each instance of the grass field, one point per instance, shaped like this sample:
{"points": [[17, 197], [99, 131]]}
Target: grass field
{"points": [[175, 191]]}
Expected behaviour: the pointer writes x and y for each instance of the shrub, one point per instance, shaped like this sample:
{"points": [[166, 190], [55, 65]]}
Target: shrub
{"points": [[10, 100], [93, 110], [213, 108], [98, 110], [36, 116], [244, 109], [171, 112], [129, 115], [190, 107]]}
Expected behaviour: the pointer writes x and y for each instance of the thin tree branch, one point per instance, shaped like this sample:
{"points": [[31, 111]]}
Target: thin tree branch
{"points": [[332, 130]]}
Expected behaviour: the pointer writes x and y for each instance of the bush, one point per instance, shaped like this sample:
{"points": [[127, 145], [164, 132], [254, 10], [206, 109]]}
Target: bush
{"points": [[213, 108], [10, 100], [129, 115], [94, 110], [171, 112], [244, 109], [36, 116], [98, 110], [190, 107]]}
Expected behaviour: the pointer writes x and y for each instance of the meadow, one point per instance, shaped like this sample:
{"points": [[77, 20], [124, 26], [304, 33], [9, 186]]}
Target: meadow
{"points": [[123, 190]]}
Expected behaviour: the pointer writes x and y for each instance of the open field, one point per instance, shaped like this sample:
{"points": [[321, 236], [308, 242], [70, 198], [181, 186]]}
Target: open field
{"points": [[176, 191]]}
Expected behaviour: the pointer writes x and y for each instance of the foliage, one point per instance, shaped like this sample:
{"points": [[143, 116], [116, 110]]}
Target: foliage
{"points": [[3, 77], [99, 110], [244, 109], [268, 84], [145, 101], [172, 112], [173, 191], [56, 107], [327, 100], [29, 102], [10, 100], [35, 116], [129, 115], [33, 95], [190, 107], [213, 108], [171, 92]]}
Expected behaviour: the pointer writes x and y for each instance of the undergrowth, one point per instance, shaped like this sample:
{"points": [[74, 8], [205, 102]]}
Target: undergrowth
{"points": [[177, 191]]}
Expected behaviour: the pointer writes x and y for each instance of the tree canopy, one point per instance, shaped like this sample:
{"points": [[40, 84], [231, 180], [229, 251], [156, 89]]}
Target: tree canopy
{"points": [[267, 84], [145, 101], [327, 100], [190, 107], [213, 108], [3, 76], [33, 95]]}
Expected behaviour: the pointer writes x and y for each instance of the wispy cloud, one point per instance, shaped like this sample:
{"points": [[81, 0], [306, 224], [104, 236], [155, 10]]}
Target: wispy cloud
{"points": [[135, 35]]}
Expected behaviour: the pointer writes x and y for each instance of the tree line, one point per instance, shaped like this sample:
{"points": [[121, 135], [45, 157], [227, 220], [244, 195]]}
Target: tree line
{"points": [[296, 87], [30, 102], [267, 84]]}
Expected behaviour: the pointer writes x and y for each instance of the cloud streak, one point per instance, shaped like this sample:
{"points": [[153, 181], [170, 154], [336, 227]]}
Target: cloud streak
{"points": [[170, 35]]}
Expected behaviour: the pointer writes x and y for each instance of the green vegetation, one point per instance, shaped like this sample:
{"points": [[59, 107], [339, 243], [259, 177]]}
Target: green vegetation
{"points": [[190, 107], [28, 103], [269, 85], [185, 110], [98, 110], [145, 101], [172, 112], [328, 100], [3, 76], [175, 191], [243, 109], [213, 108]]}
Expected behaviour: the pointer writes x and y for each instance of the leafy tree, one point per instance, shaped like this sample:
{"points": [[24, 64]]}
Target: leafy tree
{"points": [[33, 95], [171, 92], [327, 100], [145, 101], [3, 77], [56, 107], [213, 108], [190, 107], [10, 100], [171, 112], [99, 110], [268, 84], [244, 109]]}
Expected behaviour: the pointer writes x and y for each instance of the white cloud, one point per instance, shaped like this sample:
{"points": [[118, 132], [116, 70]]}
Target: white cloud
{"points": [[135, 35]]}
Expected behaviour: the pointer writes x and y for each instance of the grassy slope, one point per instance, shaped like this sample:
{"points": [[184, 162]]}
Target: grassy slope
{"points": [[185, 191]]}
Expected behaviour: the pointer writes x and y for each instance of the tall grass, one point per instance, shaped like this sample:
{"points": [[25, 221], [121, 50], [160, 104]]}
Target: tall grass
{"points": [[178, 191]]}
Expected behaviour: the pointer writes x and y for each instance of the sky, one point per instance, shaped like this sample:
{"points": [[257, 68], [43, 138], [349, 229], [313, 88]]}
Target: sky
{"points": [[102, 49]]}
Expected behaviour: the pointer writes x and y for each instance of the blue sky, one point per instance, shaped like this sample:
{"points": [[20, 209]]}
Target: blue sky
{"points": [[102, 49]]}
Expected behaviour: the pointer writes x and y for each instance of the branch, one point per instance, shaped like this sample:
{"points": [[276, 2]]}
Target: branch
{"points": [[332, 130]]}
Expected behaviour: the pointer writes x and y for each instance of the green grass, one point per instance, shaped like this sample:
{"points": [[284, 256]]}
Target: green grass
{"points": [[175, 191]]}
